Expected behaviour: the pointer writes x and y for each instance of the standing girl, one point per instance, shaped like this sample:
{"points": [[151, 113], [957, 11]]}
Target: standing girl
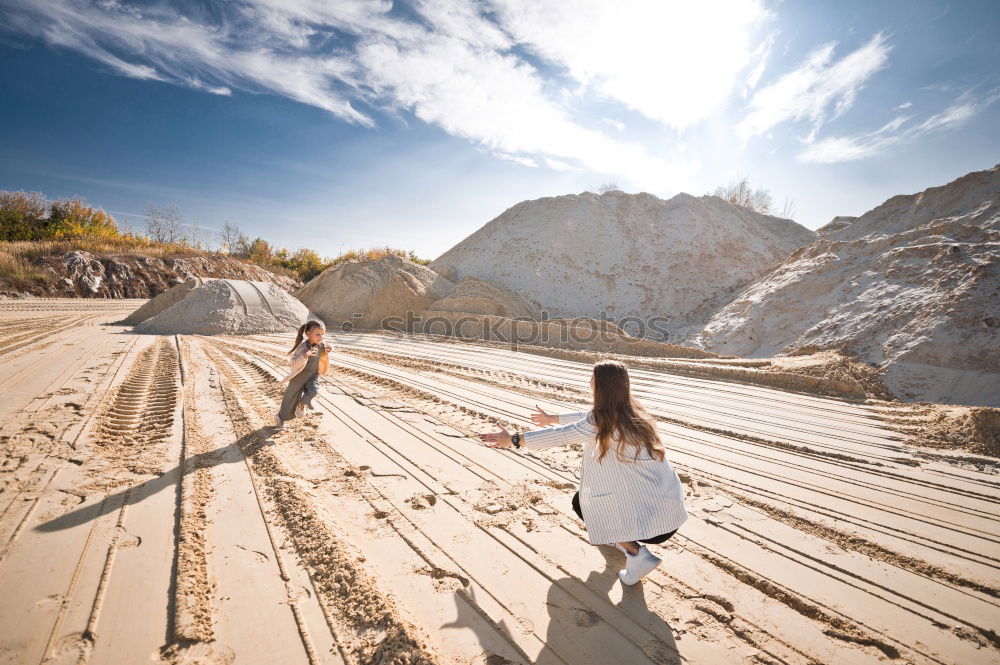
{"points": [[310, 359], [629, 494]]}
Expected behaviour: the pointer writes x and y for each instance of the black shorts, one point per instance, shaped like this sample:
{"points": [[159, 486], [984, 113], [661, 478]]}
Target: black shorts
{"points": [[655, 540]]}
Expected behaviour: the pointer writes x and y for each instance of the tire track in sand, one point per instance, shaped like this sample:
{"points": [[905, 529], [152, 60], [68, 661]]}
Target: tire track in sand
{"points": [[74, 629], [366, 624], [839, 628], [531, 556]]}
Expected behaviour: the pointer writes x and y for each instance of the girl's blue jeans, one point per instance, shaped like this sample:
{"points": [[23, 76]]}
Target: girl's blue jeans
{"points": [[310, 390]]}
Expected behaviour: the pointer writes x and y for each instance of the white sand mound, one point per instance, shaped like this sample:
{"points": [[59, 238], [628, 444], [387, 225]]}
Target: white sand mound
{"points": [[161, 302], [481, 297], [364, 293], [229, 306], [618, 255], [912, 286], [590, 324]]}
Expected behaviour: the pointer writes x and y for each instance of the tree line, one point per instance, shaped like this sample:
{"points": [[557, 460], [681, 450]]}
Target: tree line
{"points": [[29, 216]]}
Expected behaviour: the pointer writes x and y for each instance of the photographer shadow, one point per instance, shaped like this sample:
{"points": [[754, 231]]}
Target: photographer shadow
{"points": [[626, 631], [585, 626]]}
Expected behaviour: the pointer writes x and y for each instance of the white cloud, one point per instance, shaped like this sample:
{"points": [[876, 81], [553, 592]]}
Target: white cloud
{"points": [[452, 67], [903, 106], [180, 50], [672, 62], [557, 165], [809, 92], [761, 56], [953, 116], [215, 90], [503, 107], [461, 65], [848, 148]]}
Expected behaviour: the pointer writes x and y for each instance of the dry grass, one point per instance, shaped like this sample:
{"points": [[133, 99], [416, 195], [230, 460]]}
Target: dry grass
{"points": [[17, 271], [372, 253], [130, 245]]}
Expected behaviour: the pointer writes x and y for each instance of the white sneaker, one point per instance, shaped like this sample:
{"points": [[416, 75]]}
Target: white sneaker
{"points": [[300, 410], [638, 566]]}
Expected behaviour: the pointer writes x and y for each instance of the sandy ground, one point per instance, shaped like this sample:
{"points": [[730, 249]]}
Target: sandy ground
{"points": [[150, 514]]}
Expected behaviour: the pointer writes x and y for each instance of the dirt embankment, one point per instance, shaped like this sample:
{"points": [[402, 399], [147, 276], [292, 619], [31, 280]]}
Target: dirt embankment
{"points": [[583, 335], [971, 429], [79, 274]]}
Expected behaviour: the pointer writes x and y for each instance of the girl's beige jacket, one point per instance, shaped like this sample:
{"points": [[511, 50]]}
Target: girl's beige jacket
{"points": [[299, 359]]}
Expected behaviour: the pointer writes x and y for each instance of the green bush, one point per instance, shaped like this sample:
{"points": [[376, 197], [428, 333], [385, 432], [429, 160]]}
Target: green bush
{"points": [[22, 215]]}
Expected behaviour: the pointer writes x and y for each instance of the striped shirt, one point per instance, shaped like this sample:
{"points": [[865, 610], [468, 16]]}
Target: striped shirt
{"points": [[622, 500]]}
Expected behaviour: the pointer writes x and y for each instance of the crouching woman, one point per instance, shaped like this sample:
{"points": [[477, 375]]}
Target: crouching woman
{"points": [[629, 495]]}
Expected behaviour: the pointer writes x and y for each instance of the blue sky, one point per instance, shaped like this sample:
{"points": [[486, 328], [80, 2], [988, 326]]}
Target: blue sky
{"points": [[335, 124]]}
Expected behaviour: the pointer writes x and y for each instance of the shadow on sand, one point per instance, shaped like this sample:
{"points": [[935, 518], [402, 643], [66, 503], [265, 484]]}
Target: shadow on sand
{"points": [[232, 453], [623, 632]]}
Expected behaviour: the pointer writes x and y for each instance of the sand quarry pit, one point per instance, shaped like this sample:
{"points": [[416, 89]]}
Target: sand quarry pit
{"points": [[150, 515]]}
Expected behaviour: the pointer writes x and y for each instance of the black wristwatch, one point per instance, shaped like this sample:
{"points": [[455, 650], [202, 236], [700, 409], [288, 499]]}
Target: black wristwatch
{"points": [[516, 439]]}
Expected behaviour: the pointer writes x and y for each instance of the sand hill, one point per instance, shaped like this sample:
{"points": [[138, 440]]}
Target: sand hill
{"points": [[912, 286], [622, 255], [479, 296], [363, 293], [222, 306], [165, 300], [395, 293]]}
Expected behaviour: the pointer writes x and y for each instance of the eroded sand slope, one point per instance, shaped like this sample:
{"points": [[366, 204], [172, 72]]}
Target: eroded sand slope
{"points": [[912, 287]]}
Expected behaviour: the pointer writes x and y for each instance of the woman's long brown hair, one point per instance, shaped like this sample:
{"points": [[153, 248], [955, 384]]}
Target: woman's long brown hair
{"points": [[303, 329], [619, 417]]}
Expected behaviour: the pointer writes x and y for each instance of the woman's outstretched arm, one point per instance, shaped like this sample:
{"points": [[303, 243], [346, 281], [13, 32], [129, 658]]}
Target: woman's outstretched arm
{"points": [[541, 418], [572, 417], [579, 431]]}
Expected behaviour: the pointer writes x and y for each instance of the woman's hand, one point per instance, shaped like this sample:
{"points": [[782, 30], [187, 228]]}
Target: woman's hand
{"points": [[328, 348], [541, 418], [499, 439], [311, 352]]}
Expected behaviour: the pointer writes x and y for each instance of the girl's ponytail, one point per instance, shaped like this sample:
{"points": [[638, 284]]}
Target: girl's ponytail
{"points": [[299, 336]]}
